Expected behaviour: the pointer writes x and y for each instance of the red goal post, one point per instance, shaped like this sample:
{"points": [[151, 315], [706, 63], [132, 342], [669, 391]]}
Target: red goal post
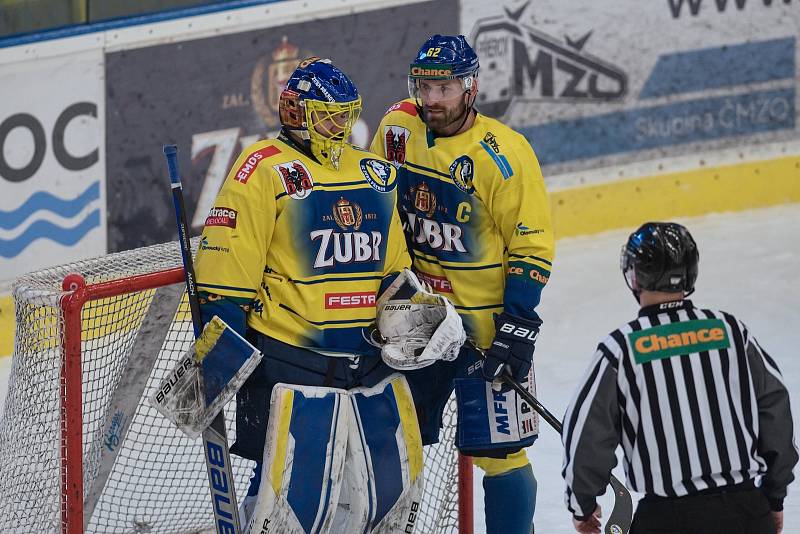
{"points": [[83, 450]]}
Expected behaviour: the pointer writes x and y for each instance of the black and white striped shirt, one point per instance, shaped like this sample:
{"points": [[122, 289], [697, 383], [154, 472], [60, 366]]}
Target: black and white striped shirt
{"points": [[695, 402]]}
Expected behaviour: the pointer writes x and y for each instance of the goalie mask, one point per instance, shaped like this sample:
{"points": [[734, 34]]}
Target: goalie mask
{"points": [[320, 105], [418, 327]]}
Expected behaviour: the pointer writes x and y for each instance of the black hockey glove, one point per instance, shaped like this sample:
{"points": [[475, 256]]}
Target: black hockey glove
{"points": [[513, 345]]}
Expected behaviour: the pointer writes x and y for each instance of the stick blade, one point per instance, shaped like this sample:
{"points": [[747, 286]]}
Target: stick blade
{"points": [[619, 522]]}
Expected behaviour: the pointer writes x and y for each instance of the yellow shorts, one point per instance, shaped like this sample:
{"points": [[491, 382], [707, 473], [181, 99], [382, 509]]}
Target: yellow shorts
{"points": [[498, 466]]}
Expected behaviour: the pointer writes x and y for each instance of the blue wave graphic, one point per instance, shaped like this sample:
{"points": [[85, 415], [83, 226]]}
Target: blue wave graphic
{"points": [[42, 200], [47, 230]]}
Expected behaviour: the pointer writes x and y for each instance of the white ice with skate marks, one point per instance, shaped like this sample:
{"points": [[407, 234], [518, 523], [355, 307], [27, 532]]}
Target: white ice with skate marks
{"points": [[748, 266]]}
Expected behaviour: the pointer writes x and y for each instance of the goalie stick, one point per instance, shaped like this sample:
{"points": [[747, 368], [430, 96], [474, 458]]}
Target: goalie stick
{"points": [[215, 440], [619, 522]]}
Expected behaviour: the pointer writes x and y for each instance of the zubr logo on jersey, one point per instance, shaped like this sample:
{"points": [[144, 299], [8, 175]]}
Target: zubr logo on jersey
{"points": [[395, 139], [524, 63], [438, 235], [349, 246], [378, 174], [296, 178]]}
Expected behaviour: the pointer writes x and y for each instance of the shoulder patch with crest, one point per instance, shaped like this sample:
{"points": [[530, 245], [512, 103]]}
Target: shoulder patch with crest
{"points": [[395, 140], [296, 178], [380, 175]]}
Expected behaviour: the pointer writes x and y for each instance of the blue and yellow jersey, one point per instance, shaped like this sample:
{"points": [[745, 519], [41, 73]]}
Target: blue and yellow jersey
{"points": [[476, 213], [308, 245]]}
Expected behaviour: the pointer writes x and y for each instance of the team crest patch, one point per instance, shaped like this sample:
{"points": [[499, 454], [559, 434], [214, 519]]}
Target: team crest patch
{"points": [[378, 174], [296, 179], [424, 200], [347, 214], [462, 171], [396, 139]]}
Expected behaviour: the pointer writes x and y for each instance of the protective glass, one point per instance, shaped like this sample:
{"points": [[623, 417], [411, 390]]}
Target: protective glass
{"points": [[435, 93]]}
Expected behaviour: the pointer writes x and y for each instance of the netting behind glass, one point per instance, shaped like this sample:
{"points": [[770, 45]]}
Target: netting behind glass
{"points": [[158, 481]]}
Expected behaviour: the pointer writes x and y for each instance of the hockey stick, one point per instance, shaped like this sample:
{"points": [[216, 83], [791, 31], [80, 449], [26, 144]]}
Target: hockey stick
{"points": [[215, 440], [619, 522]]}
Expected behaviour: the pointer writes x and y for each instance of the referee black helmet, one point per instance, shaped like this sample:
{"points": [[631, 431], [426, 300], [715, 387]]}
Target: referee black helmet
{"points": [[660, 257]]}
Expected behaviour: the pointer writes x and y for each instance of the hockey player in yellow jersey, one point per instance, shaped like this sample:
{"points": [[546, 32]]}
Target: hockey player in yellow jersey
{"points": [[477, 218], [302, 237]]}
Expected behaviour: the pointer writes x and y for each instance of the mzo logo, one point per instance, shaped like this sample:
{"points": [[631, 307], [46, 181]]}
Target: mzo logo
{"points": [[520, 62]]}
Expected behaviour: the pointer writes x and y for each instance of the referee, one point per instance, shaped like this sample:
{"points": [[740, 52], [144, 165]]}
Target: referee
{"points": [[699, 407]]}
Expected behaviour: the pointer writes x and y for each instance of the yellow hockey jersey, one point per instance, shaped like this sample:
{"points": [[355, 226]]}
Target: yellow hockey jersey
{"points": [[476, 212], [307, 244]]}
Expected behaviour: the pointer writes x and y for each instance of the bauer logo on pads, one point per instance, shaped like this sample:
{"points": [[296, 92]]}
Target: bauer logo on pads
{"points": [[206, 378]]}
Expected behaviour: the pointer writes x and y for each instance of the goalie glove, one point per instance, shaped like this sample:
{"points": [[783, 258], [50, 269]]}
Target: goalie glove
{"points": [[513, 345], [417, 326]]}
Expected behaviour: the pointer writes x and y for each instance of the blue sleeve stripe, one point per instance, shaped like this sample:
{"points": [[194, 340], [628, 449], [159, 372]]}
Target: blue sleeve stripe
{"points": [[355, 322], [229, 288], [499, 160], [537, 258]]}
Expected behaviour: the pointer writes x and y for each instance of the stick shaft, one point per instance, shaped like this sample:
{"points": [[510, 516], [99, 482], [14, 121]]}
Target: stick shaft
{"points": [[215, 439]]}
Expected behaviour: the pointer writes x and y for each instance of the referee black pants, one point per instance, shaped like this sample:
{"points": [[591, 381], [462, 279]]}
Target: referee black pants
{"points": [[740, 509]]}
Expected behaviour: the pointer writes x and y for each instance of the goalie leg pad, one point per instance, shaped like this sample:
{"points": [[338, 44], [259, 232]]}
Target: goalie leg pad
{"points": [[302, 470], [383, 473], [494, 421]]}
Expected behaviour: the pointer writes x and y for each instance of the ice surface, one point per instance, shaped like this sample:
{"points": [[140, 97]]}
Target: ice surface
{"points": [[749, 263]]}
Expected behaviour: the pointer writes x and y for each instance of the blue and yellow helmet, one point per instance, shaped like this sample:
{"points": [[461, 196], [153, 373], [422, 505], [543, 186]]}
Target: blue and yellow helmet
{"points": [[321, 105], [443, 57]]}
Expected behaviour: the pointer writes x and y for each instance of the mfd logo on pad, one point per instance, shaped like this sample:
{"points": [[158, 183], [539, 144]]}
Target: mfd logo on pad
{"points": [[678, 338]]}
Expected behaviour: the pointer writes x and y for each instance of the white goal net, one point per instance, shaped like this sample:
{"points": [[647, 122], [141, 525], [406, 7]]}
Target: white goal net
{"points": [[138, 472]]}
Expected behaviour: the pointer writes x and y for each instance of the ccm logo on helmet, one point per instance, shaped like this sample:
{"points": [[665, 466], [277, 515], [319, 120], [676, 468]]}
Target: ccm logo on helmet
{"points": [[524, 333]]}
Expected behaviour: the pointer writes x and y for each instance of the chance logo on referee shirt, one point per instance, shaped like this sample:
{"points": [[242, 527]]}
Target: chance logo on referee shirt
{"points": [[674, 339]]}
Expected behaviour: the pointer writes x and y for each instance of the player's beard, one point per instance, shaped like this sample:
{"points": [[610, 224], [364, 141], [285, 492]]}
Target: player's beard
{"points": [[443, 119]]}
